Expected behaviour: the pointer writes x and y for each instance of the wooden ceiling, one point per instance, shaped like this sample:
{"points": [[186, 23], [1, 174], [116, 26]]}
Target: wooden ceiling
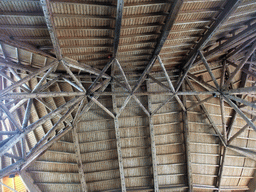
{"points": [[128, 95]]}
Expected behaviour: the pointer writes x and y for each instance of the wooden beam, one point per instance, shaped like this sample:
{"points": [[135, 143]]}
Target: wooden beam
{"points": [[101, 74], [79, 84], [11, 64], [170, 19], [8, 187], [242, 63], [243, 69], [34, 125], [199, 103], [51, 27], [206, 64], [83, 67], [157, 93], [119, 15], [53, 129], [118, 138], [240, 131], [240, 48], [244, 152], [21, 14], [102, 106], [207, 114], [78, 155], [187, 142], [221, 168], [24, 80], [223, 16], [25, 46], [235, 107], [200, 82], [241, 90], [223, 122], [239, 100], [170, 83], [7, 170], [230, 42], [29, 182], [153, 144], [40, 95], [46, 146], [8, 132], [10, 117]]}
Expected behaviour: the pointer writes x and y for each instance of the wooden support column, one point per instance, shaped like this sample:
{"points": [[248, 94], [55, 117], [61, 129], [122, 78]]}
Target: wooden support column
{"points": [[153, 144], [117, 132], [29, 182], [186, 140]]}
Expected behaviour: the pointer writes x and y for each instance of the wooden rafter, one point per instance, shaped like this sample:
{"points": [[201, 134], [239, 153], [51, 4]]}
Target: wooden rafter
{"points": [[224, 15], [119, 15]]}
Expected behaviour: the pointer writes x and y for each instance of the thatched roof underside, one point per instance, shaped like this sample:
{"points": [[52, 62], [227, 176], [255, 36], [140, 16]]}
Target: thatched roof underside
{"points": [[132, 95]]}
